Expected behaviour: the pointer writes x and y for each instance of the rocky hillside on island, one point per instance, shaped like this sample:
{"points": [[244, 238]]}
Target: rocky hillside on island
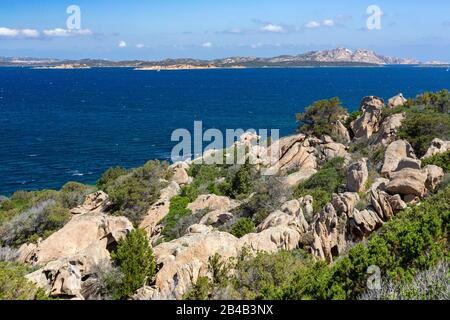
{"points": [[328, 58], [355, 192]]}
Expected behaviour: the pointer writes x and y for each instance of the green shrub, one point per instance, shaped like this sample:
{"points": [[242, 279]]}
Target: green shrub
{"points": [[269, 194], [420, 128], [136, 261], [319, 117], [416, 239], [323, 184], [439, 101], [432, 284], [241, 185], [352, 117], [14, 285], [441, 160], [200, 291], [133, 195], [110, 175], [242, 227], [73, 194], [177, 210], [38, 221]]}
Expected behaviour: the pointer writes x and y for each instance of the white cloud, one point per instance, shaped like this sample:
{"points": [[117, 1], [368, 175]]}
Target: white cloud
{"points": [[59, 32], [18, 33], [317, 24], [312, 25], [256, 45], [272, 28], [122, 44], [207, 45], [30, 33], [140, 46], [328, 23]]}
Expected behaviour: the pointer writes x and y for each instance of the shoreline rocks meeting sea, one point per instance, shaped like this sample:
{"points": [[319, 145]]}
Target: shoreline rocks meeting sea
{"points": [[347, 183]]}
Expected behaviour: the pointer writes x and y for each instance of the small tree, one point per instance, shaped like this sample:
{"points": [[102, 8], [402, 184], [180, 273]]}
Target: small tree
{"points": [[319, 117], [242, 227], [135, 259]]}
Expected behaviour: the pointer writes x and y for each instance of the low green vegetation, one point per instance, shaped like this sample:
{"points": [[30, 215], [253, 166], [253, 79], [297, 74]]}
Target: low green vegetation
{"points": [[323, 184], [172, 221], [242, 227], [29, 216], [131, 195], [319, 117], [109, 176], [136, 261], [441, 160], [412, 242], [14, 285]]}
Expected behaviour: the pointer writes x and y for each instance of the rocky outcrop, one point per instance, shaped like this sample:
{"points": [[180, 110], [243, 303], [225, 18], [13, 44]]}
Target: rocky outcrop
{"points": [[183, 260], [357, 176], [369, 121], [94, 203], [298, 177], [212, 202], [295, 152], [408, 182], [77, 235], [396, 152], [341, 132], [159, 209], [180, 175], [219, 208], [397, 101], [331, 149], [437, 146], [69, 255], [435, 176], [290, 215], [388, 129]]}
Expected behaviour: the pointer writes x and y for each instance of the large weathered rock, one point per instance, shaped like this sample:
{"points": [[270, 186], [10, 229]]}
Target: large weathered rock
{"points": [[290, 215], [94, 203], [397, 101], [329, 234], [298, 177], [435, 176], [357, 176], [70, 254], [272, 240], [185, 259], [369, 121], [388, 129], [385, 205], [65, 278], [340, 131], [395, 152], [437, 146], [180, 174], [77, 235], [409, 163], [408, 182], [330, 150], [306, 203], [213, 202], [159, 210]]}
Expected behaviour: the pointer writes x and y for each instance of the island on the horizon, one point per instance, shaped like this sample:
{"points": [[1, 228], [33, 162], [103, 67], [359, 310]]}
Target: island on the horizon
{"points": [[339, 57]]}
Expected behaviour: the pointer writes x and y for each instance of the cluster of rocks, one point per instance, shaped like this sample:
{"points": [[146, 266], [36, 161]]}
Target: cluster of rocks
{"points": [[68, 257]]}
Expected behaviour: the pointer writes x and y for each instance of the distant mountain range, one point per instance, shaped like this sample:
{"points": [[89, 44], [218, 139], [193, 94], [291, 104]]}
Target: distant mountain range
{"points": [[335, 57]]}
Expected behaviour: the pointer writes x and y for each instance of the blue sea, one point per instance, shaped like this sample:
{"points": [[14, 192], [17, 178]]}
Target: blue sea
{"points": [[71, 125]]}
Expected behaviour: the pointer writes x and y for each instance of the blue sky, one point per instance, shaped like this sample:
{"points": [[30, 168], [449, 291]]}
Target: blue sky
{"points": [[159, 29]]}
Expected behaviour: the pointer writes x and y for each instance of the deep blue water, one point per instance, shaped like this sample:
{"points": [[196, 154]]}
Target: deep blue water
{"points": [[71, 125]]}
